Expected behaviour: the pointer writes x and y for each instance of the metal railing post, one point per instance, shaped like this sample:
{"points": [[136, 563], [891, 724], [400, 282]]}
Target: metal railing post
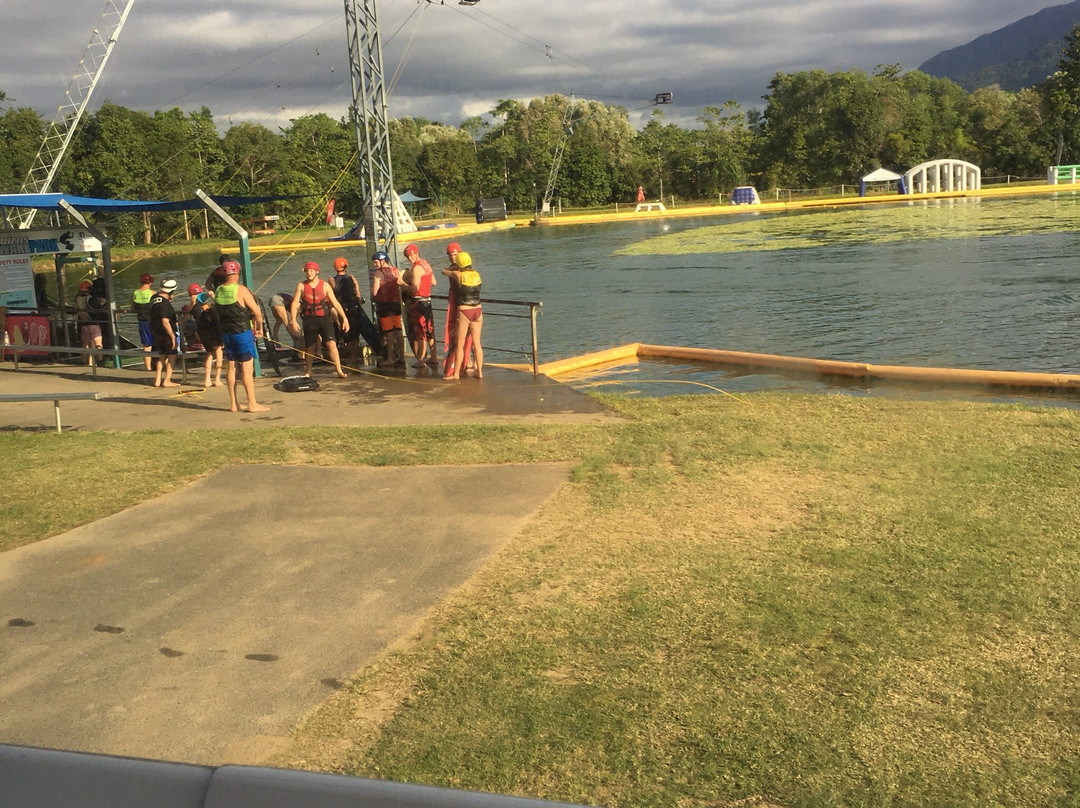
{"points": [[532, 323]]}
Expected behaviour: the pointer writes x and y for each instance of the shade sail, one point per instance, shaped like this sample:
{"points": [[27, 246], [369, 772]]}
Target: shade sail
{"points": [[52, 202]]}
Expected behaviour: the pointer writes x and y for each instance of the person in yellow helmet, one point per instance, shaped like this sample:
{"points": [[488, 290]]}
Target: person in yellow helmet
{"points": [[470, 314]]}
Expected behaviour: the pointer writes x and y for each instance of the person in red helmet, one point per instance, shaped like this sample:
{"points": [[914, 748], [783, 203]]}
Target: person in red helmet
{"points": [[314, 303], [89, 329], [416, 284], [140, 304], [217, 276], [207, 332], [240, 318]]}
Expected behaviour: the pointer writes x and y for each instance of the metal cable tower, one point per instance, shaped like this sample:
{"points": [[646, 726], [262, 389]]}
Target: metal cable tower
{"points": [[62, 129], [556, 162], [368, 113]]}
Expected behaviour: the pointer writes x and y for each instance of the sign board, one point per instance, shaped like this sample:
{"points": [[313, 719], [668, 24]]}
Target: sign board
{"points": [[17, 282], [44, 242], [18, 246]]}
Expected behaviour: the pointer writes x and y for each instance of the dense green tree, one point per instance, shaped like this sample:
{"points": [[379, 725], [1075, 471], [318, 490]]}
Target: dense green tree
{"points": [[1003, 132], [1062, 99], [317, 151], [725, 145], [21, 131], [449, 164], [666, 160]]}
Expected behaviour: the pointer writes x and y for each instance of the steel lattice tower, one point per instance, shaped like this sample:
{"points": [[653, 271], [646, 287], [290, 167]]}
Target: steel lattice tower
{"points": [[368, 113], [71, 109]]}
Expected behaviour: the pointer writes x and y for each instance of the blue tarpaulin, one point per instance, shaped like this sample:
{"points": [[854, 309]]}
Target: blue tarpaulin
{"points": [[52, 202]]}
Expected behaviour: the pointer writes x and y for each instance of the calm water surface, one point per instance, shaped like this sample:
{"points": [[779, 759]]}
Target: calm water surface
{"points": [[991, 284]]}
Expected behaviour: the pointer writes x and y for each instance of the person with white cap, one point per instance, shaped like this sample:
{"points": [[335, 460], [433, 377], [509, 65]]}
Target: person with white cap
{"points": [[166, 333]]}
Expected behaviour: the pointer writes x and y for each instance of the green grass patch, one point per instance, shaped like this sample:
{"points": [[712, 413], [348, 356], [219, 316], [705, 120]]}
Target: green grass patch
{"points": [[812, 600]]}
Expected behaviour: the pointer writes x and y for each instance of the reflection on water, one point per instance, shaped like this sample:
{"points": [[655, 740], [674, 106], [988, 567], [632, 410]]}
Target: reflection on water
{"points": [[990, 284]]}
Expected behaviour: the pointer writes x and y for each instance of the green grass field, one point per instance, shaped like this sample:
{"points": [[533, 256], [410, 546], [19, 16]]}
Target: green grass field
{"points": [[795, 600]]}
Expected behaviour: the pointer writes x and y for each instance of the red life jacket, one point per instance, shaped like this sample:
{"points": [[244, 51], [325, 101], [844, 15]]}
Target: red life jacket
{"points": [[314, 303]]}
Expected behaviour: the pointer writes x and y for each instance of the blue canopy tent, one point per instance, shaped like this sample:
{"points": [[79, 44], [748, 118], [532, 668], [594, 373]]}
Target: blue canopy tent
{"points": [[74, 206]]}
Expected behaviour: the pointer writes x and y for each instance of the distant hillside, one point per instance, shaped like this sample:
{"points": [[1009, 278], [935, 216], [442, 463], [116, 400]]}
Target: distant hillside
{"points": [[1016, 56]]}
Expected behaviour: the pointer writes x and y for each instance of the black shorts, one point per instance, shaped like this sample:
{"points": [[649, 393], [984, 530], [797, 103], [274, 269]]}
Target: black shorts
{"points": [[210, 338], [315, 327], [164, 345]]}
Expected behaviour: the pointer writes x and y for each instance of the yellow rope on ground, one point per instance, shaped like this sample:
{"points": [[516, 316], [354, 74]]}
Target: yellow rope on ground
{"points": [[670, 381], [198, 393], [363, 371]]}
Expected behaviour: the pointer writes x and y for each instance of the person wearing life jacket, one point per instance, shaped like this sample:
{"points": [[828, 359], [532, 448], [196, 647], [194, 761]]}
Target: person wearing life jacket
{"points": [[470, 314], [89, 330], [208, 331], [417, 281], [386, 293], [140, 304], [237, 311], [313, 302], [347, 289]]}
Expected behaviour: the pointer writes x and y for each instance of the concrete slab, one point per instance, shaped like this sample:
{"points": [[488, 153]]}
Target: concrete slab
{"points": [[185, 631], [369, 398]]}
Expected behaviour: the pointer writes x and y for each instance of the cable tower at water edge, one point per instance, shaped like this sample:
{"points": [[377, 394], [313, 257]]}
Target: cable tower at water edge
{"points": [[61, 131]]}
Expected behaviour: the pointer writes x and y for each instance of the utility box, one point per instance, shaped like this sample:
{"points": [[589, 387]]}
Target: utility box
{"points": [[490, 210]]}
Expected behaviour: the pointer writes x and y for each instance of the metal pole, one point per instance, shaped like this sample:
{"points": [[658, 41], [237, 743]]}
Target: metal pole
{"points": [[106, 264], [245, 257], [535, 349]]}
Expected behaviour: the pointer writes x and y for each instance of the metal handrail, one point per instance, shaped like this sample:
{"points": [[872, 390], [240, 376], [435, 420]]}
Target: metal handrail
{"points": [[535, 307]]}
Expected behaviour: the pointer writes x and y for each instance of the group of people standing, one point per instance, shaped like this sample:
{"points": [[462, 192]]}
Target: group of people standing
{"points": [[226, 319], [324, 314]]}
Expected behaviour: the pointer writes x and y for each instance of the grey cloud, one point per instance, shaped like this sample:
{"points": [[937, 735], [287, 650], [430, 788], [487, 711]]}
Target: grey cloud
{"points": [[259, 57]]}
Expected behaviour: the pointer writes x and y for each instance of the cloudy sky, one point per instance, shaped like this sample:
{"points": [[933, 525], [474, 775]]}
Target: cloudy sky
{"points": [[270, 61]]}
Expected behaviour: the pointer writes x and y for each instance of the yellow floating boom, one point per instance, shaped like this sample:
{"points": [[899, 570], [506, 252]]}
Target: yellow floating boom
{"points": [[820, 367]]}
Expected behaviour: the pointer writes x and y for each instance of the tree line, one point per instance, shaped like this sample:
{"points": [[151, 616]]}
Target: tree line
{"points": [[816, 129]]}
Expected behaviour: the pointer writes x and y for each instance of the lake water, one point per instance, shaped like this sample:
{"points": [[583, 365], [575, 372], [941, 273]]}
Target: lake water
{"points": [[975, 284]]}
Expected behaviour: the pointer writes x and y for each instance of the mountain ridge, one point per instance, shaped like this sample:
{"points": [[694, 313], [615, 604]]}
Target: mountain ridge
{"points": [[1021, 54]]}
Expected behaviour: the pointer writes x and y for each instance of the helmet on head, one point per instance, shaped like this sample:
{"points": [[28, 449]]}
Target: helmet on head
{"points": [[453, 246], [340, 263], [464, 260], [412, 248], [168, 286], [194, 289], [380, 255], [231, 267], [311, 265], [146, 277], [84, 286]]}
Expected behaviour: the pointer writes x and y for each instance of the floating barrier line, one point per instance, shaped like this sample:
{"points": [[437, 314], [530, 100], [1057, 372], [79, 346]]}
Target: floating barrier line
{"points": [[820, 367]]}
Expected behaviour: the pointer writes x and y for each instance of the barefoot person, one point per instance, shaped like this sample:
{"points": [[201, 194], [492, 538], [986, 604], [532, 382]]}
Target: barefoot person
{"points": [[470, 314], [416, 283], [140, 304], [166, 333], [208, 332], [386, 292], [316, 302], [236, 310]]}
